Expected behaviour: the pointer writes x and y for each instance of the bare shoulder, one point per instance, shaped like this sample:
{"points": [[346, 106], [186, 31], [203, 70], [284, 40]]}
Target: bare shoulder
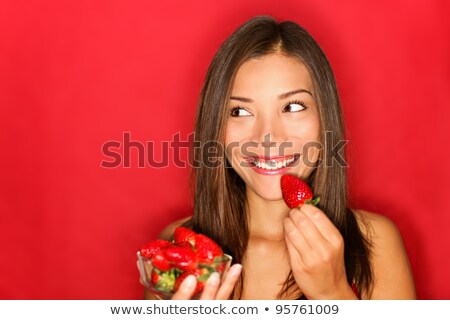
{"points": [[170, 228], [393, 277], [376, 227]]}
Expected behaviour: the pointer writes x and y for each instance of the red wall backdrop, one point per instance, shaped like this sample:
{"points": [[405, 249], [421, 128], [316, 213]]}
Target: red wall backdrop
{"points": [[76, 74]]}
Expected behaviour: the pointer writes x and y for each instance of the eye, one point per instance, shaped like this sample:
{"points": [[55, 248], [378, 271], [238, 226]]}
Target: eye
{"points": [[294, 106], [239, 112]]}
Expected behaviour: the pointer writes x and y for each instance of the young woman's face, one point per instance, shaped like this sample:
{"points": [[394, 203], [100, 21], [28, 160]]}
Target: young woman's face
{"points": [[273, 125]]}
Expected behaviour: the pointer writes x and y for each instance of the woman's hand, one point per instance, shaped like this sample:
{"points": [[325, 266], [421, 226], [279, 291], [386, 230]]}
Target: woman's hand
{"points": [[213, 290], [316, 251]]}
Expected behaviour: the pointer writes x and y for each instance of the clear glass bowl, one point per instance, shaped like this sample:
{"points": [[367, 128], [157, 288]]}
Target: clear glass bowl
{"points": [[145, 268]]}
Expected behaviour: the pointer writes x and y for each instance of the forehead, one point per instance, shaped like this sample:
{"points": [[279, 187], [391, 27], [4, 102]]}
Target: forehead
{"points": [[271, 74]]}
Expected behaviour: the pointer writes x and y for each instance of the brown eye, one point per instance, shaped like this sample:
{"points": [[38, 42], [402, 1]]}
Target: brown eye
{"points": [[294, 106], [239, 112]]}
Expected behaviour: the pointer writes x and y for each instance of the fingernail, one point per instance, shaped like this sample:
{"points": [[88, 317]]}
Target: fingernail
{"points": [[189, 282], [236, 270], [214, 279]]}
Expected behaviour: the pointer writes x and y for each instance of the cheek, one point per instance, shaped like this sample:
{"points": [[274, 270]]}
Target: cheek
{"points": [[306, 133], [311, 153], [312, 145], [231, 132], [232, 142], [306, 140], [237, 134]]}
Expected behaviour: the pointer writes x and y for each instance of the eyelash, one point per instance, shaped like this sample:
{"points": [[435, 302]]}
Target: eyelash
{"points": [[234, 108], [296, 102]]}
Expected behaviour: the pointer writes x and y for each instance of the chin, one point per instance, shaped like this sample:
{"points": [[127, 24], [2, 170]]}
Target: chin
{"points": [[269, 195]]}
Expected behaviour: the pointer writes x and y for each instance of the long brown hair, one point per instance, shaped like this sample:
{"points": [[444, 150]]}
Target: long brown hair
{"points": [[219, 193]]}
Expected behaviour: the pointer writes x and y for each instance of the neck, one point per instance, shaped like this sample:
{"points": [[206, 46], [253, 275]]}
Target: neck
{"points": [[266, 217]]}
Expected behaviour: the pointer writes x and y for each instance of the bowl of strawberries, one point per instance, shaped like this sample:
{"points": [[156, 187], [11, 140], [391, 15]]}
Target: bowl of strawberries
{"points": [[163, 264]]}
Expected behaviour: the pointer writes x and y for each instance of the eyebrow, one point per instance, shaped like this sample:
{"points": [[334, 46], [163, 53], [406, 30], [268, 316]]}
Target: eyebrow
{"points": [[280, 97]]}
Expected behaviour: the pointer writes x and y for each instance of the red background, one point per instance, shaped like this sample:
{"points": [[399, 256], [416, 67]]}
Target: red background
{"points": [[76, 74]]}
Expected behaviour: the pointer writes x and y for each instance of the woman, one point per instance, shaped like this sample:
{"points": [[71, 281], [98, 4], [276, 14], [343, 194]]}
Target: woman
{"points": [[270, 97]]}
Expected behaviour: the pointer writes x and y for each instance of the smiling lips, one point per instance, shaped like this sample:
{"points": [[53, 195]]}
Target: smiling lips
{"points": [[272, 165]]}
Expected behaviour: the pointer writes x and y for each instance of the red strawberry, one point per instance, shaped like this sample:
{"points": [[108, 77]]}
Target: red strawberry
{"points": [[183, 244], [296, 192], [220, 266], [207, 249], [181, 257], [159, 260], [151, 248], [184, 234], [200, 279], [155, 277]]}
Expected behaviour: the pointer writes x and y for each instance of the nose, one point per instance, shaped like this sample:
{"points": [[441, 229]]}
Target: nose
{"points": [[269, 132]]}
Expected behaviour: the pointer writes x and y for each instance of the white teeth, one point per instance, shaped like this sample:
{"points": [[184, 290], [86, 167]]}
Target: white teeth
{"points": [[272, 164]]}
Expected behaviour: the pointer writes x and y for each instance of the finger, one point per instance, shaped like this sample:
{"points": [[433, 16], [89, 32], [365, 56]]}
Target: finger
{"points": [[211, 287], [308, 229], [295, 257], [298, 247], [186, 288], [229, 282], [322, 223], [296, 236]]}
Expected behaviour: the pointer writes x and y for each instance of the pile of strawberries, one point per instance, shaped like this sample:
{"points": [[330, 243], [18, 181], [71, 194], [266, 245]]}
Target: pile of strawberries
{"points": [[189, 253]]}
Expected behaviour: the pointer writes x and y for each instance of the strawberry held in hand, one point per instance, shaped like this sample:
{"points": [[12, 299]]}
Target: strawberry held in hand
{"points": [[296, 192], [164, 264]]}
